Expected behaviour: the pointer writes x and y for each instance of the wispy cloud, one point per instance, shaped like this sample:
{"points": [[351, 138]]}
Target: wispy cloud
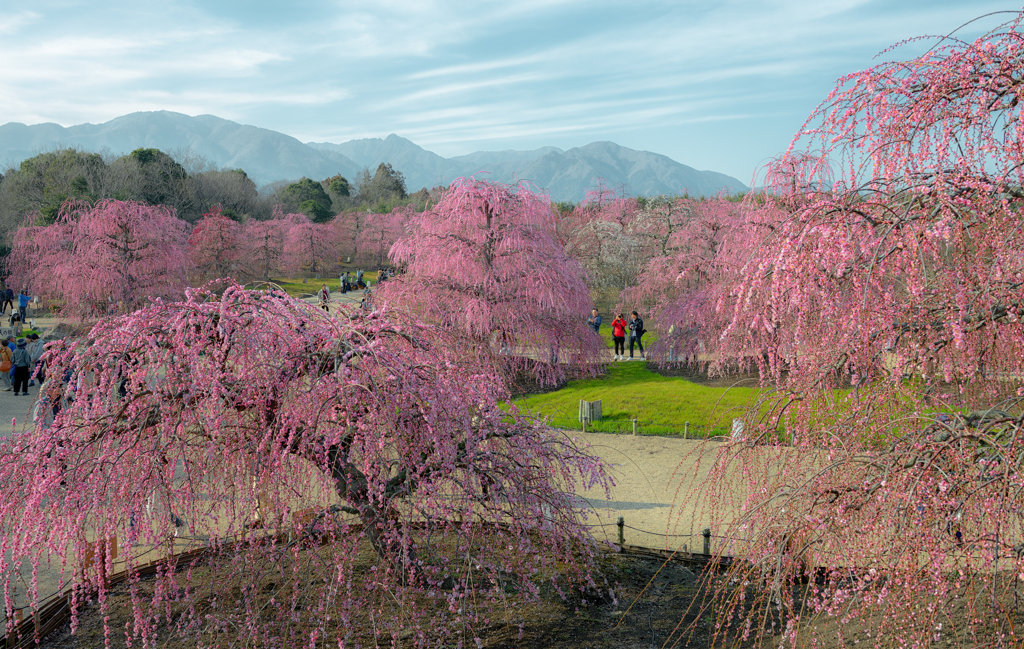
{"points": [[717, 85], [13, 22]]}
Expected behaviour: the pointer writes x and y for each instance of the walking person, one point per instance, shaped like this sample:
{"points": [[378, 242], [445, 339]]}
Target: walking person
{"points": [[594, 321], [23, 299], [619, 336], [8, 300], [636, 331], [22, 367], [325, 298]]}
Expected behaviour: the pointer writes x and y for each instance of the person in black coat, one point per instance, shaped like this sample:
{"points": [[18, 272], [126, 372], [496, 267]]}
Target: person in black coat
{"points": [[636, 332], [22, 367]]}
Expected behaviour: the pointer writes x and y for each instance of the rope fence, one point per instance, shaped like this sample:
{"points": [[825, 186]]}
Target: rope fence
{"points": [[31, 625]]}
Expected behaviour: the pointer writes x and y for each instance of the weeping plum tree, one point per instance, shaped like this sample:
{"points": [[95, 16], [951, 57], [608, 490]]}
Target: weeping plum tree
{"points": [[346, 230], [215, 246], [897, 505], [378, 232], [114, 254], [599, 234], [262, 246], [688, 289], [308, 246], [364, 433], [485, 263]]}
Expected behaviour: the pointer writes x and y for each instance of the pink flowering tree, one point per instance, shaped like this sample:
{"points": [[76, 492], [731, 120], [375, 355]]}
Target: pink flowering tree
{"points": [[308, 247], [215, 246], [262, 246], [615, 236], [658, 222], [599, 234], [347, 226], [485, 263], [315, 442], [114, 256], [887, 307], [378, 232], [688, 290]]}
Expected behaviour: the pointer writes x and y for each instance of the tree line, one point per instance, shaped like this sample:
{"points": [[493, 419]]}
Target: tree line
{"points": [[188, 183]]}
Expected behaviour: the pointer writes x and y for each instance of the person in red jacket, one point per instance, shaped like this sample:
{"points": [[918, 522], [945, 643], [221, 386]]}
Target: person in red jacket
{"points": [[619, 336]]}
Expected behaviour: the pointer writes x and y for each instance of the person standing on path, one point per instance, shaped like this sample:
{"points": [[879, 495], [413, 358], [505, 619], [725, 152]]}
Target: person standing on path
{"points": [[12, 347], [23, 299], [22, 367], [619, 336], [35, 349], [325, 298], [594, 321], [636, 331], [6, 363], [8, 300]]}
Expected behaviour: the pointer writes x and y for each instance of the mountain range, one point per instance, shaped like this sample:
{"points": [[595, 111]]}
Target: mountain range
{"points": [[267, 156]]}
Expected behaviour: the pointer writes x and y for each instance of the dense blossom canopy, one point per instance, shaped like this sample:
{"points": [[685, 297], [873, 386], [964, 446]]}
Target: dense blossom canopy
{"points": [[236, 406], [309, 247], [113, 256], [215, 246], [485, 262], [689, 289], [892, 271]]}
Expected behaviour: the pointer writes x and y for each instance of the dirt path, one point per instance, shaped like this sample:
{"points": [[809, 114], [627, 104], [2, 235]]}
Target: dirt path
{"points": [[655, 479]]}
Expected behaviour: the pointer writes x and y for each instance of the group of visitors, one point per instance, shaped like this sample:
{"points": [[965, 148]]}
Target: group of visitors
{"points": [[20, 363], [20, 358], [620, 327], [350, 282], [7, 300]]}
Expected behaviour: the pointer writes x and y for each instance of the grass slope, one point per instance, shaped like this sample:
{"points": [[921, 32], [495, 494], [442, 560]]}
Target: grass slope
{"points": [[660, 404]]}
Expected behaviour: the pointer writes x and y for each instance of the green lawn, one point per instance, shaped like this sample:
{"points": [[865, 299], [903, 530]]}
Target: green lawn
{"points": [[660, 404], [295, 287]]}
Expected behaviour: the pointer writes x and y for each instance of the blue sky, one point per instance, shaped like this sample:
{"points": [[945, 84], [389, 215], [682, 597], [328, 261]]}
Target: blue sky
{"points": [[714, 85]]}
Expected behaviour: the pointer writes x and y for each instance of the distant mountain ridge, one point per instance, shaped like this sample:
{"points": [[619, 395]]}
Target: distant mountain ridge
{"points": [[267, 156]]}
